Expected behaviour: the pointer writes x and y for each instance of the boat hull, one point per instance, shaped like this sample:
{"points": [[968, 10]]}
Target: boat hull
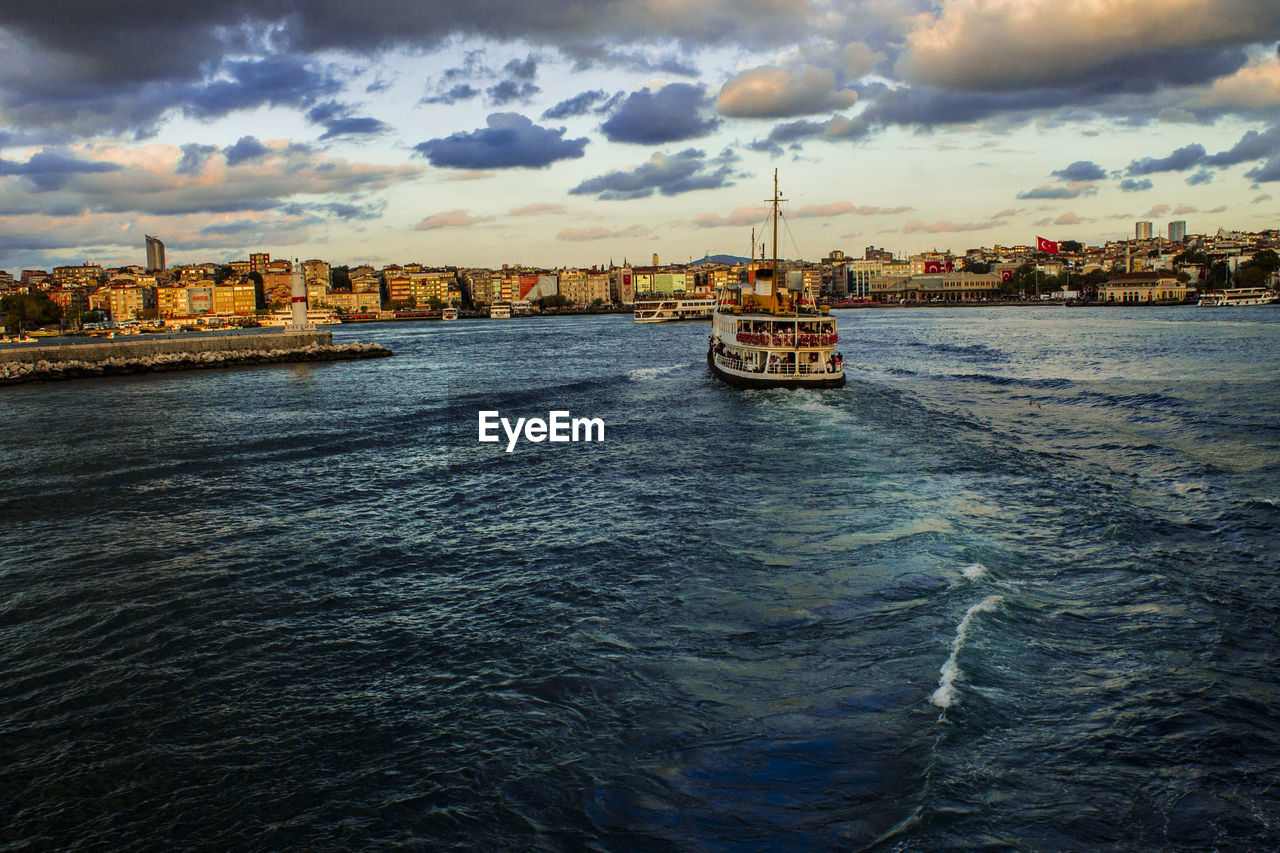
{"points": [[773, 382]]}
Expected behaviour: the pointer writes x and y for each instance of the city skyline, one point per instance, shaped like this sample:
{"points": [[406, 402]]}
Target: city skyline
{"points": [[483, 134]]}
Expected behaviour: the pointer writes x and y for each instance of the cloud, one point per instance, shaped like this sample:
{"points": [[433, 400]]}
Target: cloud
{"points": [[537, 209], [146, 180], [1075, 190], [1267, 172], [1183, 210], [1081, 170], [773, 92], [1184, 158], [1261, 198], [1056, 43], [1129, 185], [455, 93], [194, 156], [509, 141], [739, 217], [450, 219], [1202, 177], [672, 114], [945, 226], [338, 121], [839, 208], [51, 169], [669, 175], [1251, 146], [1254, 87], [511, 90], [247, 148], [578, 105], [858, 59], [1068, 218], [599, 233], [1156, 211]]}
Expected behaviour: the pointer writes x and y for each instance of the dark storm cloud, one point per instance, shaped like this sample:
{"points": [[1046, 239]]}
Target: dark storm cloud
{"points": [[669, 175], [578, 105], [337, 121], [1201, 177], [1129, 185], [1081, 170], [246, 148], [671, 114], [1184, 158], [523, 69], [194, 156], [509, 141], [50, 170]]}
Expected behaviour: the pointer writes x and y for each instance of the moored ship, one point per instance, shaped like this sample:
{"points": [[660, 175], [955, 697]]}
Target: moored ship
{"points": [[1238, 296], [500, 310], [763, 336], [674, 308]]}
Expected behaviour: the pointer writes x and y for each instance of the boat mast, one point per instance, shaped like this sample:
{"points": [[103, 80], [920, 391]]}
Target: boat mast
{"points": [[775, 239]]}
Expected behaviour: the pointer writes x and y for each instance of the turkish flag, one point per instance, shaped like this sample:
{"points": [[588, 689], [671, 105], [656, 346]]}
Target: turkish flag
{"points": [[951, 266], [1047, 246], [1006, 275], [931, 267]]}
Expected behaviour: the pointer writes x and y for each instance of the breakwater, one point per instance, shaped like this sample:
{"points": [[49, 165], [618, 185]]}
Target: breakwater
{"points": [[147, 355]]}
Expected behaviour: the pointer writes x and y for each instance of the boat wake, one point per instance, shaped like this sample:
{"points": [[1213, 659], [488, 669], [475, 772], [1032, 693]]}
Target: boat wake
{"points": [[945, 695]]}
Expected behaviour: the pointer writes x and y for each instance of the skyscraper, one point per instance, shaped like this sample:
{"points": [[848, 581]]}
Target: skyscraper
{"points": [[1142, 231], [1178, 231], [155, 254]]}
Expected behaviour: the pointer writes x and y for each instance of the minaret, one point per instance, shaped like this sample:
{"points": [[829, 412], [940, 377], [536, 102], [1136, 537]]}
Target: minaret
{"points": [[298, 301]]}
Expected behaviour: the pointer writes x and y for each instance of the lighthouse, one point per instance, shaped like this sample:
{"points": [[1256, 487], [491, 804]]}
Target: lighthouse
{"points": [[298, 301]]}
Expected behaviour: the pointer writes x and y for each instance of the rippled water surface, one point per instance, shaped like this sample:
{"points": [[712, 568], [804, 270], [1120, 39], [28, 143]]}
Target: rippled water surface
{"points": [[1014, 587]]}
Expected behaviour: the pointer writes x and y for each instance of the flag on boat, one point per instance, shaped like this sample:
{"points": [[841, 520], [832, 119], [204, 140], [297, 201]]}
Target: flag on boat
{"points": [[1047, 246]]}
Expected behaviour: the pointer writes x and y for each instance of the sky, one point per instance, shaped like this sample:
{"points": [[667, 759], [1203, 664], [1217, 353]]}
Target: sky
{"points": [[583, 132]]}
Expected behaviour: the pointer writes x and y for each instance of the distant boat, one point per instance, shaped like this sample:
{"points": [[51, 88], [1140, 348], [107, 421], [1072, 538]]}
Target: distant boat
{"points": [[500, 310], [764, 337], [449, 314], [674, 308], [1238, 296]]}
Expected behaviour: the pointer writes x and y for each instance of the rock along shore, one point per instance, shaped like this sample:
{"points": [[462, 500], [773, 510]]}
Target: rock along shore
{"points": [[44, 370]]}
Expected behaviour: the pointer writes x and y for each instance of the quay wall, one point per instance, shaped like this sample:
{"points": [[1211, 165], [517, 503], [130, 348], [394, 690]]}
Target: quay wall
{"points": [[144, 346]]}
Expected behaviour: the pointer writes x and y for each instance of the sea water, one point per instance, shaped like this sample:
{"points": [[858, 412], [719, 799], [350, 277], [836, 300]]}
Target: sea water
{"points": [[1013, 587]]}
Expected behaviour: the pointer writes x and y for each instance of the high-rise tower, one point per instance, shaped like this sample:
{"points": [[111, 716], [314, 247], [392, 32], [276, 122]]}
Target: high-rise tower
{"points": [[1142, 231], [1178, 231], [155, 254]]}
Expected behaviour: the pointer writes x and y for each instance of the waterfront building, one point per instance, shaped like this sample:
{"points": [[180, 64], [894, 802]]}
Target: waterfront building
{"points": [[622, 285], [1178, 231], [72, 301], [1143, 287], [355, 302], [128, 301], [173, 301], [258, 261], [1142, 230], [155, 253]]}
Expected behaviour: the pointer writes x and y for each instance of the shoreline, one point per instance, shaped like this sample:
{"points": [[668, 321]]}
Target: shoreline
{"points": [[45, 370]]}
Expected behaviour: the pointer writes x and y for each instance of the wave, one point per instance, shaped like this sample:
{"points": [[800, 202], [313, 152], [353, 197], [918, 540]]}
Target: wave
{"points": [[974, 571], [946, 692]]}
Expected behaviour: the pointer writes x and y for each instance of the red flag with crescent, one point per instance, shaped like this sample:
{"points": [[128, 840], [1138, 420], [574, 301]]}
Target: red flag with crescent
{"points": [[1006, 275], [1047, 246], [931, 267]]}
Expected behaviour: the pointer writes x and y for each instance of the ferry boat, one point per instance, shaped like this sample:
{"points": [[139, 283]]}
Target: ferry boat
{"points": [[500, 310], [449, 314], [1238, 296], [674, 308], [764, 336]]}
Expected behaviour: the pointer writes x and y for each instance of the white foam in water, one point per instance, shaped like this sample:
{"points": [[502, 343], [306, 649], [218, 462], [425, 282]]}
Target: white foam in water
{"points": [[641, 374], [946, 692], [974, 571]]}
